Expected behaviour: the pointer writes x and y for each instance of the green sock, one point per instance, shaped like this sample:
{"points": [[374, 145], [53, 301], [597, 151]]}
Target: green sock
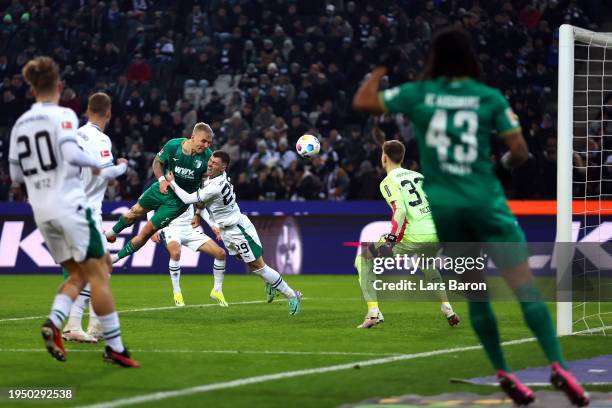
{"points": [[484, 324], [121, 224], [65, 273], [128, 249], [538, 319], [366, 278]]}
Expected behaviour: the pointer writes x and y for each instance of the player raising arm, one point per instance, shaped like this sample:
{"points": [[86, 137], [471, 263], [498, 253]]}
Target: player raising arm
{"points": [[412, 231], [453, 115], [45, 155], [187, 159], [93, 141], [237, 232]]}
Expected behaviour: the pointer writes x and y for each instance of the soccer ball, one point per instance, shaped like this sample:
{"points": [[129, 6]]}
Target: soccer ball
{"points": [[308, 146]]}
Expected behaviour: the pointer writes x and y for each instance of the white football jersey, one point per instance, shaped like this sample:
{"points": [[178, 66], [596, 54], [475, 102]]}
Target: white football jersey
{"points": [[218, 196], [54, 186], [98, 145], [183, 220]]}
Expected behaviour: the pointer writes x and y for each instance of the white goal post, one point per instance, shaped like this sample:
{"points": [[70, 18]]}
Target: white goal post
{"points": [[584, 59]]}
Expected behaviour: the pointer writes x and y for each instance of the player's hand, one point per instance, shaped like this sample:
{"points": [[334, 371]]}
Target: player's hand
{"points": [[163, 186], [217, 232], [122, 161], [195, 221], [389, 58], [170, 177], [156, 238]]}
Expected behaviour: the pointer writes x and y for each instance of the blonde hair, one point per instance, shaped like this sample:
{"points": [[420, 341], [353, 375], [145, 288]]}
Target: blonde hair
{"points": [[202, 127]]}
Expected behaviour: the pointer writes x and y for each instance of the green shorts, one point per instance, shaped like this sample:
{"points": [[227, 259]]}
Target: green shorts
{"points": [[493, 225], [166, 206]]}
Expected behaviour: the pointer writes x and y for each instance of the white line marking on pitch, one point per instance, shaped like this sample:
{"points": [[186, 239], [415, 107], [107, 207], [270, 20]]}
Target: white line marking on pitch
{"points": [[146, 309], [157, 396], [271, 352]]}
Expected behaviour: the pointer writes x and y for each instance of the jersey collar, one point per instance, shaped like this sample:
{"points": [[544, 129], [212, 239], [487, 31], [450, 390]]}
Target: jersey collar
{"points": [[93, 125]]}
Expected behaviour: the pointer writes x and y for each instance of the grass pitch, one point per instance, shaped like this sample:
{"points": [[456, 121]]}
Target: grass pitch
{"points": [[182, 348]]}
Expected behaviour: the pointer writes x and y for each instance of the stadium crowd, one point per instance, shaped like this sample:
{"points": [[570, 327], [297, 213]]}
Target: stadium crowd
{"points": [[264, 72]]}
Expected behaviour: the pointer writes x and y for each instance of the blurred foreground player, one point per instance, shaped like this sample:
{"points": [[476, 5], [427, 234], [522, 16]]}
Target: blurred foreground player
{"points": [[93, 141], [44, 154], [237, 231], [412, 232], [453, 116]]}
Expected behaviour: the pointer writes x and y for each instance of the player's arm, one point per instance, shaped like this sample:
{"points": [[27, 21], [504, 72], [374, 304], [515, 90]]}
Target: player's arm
{"points": [[509, 128], [398, 217], [69, 146], [13, 158], [202, 194], [367, 99], [113, 171], [205, 215], [158, 167]]}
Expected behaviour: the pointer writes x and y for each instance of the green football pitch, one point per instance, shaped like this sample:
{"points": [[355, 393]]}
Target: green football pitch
{"points": [[253, 353]]}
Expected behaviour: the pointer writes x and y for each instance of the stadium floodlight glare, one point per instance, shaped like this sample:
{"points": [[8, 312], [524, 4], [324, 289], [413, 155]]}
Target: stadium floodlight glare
{"points": [[584, 140]]}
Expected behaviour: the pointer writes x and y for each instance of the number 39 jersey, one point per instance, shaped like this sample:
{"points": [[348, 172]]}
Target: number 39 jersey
{"points": [[406, 187], [453, 122], [54, 186], [217, 194]]}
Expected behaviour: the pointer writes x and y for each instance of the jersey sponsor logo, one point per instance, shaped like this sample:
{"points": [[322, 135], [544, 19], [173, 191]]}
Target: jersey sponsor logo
{"points": [[67, 125], [187, 173], [105, 153]]}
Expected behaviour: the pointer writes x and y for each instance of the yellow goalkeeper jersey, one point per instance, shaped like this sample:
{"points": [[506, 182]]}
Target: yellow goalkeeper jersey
{"points": [[403, 190]]}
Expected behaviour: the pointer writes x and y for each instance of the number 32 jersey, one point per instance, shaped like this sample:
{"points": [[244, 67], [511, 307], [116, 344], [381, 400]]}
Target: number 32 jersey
{"points": [[54, 186], [453, 122], [404, 188]]}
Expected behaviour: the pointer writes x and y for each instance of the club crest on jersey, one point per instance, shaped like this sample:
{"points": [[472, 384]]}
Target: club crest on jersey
{"points": [[198, 164], [66, 125], [187, 173]]}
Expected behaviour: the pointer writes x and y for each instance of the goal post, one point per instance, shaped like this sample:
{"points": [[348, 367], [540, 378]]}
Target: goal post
{"points": [[584, 78]]}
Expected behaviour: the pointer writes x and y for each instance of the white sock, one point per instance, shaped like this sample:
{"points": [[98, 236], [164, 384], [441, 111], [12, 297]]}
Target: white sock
{"points": [[112, 331], [93, 317], [78, 307], [175, 275], [276, 280], [60, 309], [219, 274], [114, 258]]}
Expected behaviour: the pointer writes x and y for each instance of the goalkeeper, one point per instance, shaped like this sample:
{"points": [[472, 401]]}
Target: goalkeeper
{"points": [[454, 114], [412, 232]]}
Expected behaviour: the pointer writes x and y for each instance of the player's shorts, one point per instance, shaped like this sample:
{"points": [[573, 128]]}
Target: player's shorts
{"points": [[187, 236], [493, 225], [74, 236], [166, 206], [242, 239]]}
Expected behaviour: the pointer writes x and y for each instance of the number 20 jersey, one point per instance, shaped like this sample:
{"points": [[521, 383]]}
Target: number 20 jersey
{"points": [[54, 186], [453, 121]]}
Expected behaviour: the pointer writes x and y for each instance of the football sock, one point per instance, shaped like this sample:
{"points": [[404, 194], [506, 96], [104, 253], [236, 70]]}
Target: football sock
{"points": [[366, 278], [127, 250], [276, 280], [538, 319], [372, 305], [218, 273], [175, 275], [78, 307], [112, 331], [485, 325], [120, 225], [60, 309]]}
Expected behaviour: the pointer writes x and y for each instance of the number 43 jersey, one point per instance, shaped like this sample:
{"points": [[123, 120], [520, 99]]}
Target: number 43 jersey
{"points": [[54, 186], [217, 194], [453, 122], [404, 188]]}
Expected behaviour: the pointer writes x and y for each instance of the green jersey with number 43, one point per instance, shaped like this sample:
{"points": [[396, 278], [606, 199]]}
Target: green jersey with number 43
{"points": [[453, 121], [187, 169], [403, 191]]}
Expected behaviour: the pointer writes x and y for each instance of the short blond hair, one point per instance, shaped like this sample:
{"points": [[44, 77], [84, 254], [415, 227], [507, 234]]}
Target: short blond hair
{"points": [[202, 127]]}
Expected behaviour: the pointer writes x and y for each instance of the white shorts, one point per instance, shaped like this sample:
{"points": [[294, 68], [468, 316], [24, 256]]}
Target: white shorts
{"points": [[242, 239], [187, 236], [76, 236]]}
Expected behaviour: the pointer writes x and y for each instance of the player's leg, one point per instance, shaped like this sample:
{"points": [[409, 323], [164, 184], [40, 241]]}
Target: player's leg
{"points": [[272, 277], [129, 218], [211, 248], [73, 331], [365, 268], [88, 249], [173, 246]]}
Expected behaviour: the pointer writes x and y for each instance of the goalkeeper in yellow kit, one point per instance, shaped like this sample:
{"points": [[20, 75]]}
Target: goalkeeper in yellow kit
{"points": [[412, 231]]}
